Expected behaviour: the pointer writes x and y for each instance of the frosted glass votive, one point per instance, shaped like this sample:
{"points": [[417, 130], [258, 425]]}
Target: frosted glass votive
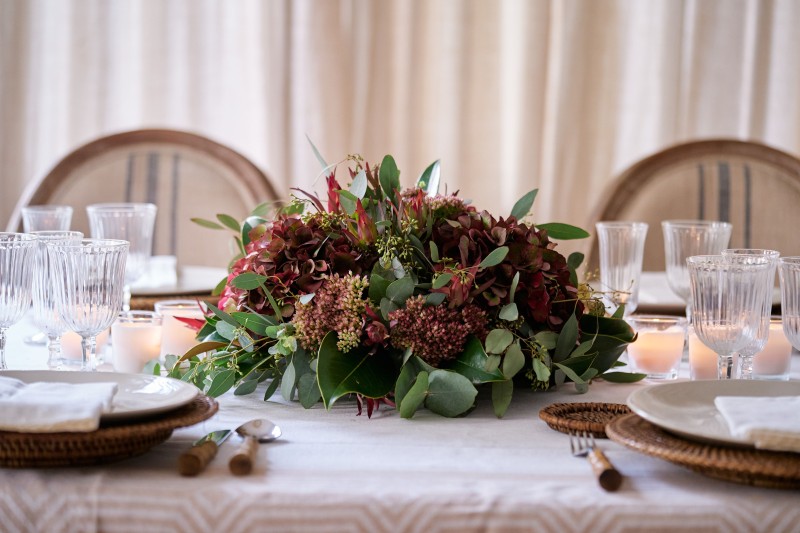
{"points": [[136, 340], [774, 361], [177, 337], [658, 348]]}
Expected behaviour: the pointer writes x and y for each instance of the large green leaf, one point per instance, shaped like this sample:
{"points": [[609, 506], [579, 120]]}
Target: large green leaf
{"points": [[248, 281], [449, 393], [501, 396], [524, 204], [400, 290], [357, 371], [558, 230], [377, 286], [498, 340], [611, 337], [408, 375], [472, 363], [415, 396], [221, 383], [389, 177], [430, 177], [566, 339]]}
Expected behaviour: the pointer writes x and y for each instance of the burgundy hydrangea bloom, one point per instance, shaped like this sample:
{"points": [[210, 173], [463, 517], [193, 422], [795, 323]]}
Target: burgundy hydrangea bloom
{"points": [[544, 294], [435, 333], [295, 256]]}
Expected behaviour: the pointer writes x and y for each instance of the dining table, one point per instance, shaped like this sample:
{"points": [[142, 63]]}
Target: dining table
{"points": [[340, 471]]}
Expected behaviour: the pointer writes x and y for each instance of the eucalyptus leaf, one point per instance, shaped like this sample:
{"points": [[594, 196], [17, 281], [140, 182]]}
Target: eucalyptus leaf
{"points": [[271, 388], [566, 339], [229, 222], [387, 307], [442, 280], [221, 383], [574, 260], [246, 387], [415, 396], [389, 177], [434, 298], [622, 377], [513, 361], [220, 287], [316, 153], [548, 339], [400, 290], [449, 393], [502, 391], [430, 178], [359, 186], [248, 281], [523, 206], [288, 383], [377, 286], [254, 322], [474, 364], [207, 223], [434, 251], [564, 232], [541, 370], [494, 258], [509, 312], [498, 340], [514, 282], [202, 347], [226, 331], [348, 202], [307, 390]]}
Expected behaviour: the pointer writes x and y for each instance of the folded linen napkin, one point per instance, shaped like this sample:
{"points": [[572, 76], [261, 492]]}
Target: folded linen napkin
{"points": [[41, 407], [771, 423]]}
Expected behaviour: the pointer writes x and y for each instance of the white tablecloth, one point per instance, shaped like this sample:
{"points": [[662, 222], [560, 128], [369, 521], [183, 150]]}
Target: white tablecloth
{"points": [[335, 471]]}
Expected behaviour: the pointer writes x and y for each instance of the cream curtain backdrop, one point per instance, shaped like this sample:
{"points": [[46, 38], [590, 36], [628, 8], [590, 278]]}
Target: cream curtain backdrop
{"points": [[510, 94]]}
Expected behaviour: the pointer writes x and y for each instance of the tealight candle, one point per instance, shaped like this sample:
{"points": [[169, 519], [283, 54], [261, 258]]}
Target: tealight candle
{"points": [[136, 339], [774, 360], [177, 337], [71, 350], [703, 361], [658, 348]]}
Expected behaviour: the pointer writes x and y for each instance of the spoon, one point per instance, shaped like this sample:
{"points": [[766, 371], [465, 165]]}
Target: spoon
{"points": [[259, 430]]}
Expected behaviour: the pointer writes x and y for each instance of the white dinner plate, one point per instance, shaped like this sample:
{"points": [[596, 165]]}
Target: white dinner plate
{"points": [[138, 395], [189, 280], [686, 408]]}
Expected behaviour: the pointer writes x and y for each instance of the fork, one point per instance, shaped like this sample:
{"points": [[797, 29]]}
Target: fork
{"points": [[582, 445]]}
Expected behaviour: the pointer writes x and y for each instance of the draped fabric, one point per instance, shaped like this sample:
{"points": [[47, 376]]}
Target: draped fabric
{"points": [[511, 95]]}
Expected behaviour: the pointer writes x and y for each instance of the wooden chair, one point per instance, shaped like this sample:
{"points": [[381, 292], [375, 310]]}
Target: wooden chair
{"points": [[184, 174], [751, 185]]}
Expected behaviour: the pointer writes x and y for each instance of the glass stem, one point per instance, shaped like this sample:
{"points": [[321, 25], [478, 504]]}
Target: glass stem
{"points": [[3, 365], [725, 369], [745, 366], [89, 347], [54, 351]]}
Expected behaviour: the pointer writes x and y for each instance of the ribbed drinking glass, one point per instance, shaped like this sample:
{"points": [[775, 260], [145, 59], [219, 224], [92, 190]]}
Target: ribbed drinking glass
{"points": [[46, 218], [17, 251], [621, 254]]}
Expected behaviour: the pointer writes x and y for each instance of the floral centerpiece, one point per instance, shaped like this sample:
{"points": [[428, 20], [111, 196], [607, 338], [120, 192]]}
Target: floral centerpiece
{"points": [[400, 297]]}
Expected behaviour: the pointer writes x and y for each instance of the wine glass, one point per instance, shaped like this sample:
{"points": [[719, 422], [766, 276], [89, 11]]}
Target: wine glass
{"points": [[728, 301], [685, 238], [88, 279], [747, 353], [131, 222], [789, 273], [16, 255], [621, 255], [45, 316], [46, 218]]}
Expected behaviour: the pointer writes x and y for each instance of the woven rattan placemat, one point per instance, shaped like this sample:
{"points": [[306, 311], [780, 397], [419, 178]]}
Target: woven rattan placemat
{"points": [[590, 417], [112, 442], [747, 466]]}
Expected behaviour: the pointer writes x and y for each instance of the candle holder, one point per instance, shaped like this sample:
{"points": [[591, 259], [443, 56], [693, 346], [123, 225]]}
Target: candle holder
{"points": [[658, 348], [774, 361], [177, 338], [136, 339]]}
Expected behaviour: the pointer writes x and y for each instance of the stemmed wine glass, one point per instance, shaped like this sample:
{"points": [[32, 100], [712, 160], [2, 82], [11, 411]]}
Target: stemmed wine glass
{"points": [[45, 316], [621, 255], [789, 273], [88, 280], [747, 353], [728, 301], [131, 222], [16, 255], [685, 238]]}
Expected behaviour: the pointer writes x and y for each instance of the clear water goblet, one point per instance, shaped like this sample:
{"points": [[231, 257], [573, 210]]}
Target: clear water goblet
{"points": [[46, 218], [728, 300], [747, 353], [130, 222], [89, 276], [16, 276], [789, 273], [685, 238], [621, 255], [45, 315]]}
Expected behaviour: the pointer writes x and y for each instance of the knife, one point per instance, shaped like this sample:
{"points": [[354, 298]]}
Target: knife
{"points": [[194, 460]]}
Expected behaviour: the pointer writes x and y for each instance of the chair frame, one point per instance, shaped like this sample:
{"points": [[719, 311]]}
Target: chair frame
{"points": [[254, 180], [624, 187]]}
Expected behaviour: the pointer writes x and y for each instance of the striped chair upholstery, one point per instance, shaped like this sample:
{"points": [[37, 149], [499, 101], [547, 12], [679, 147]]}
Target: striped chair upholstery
{"points": [[753, 186], [184, 174]]}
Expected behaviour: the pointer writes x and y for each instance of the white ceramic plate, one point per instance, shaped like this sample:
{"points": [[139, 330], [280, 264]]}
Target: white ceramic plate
{"points": [[138, 395], [686, 408]]}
